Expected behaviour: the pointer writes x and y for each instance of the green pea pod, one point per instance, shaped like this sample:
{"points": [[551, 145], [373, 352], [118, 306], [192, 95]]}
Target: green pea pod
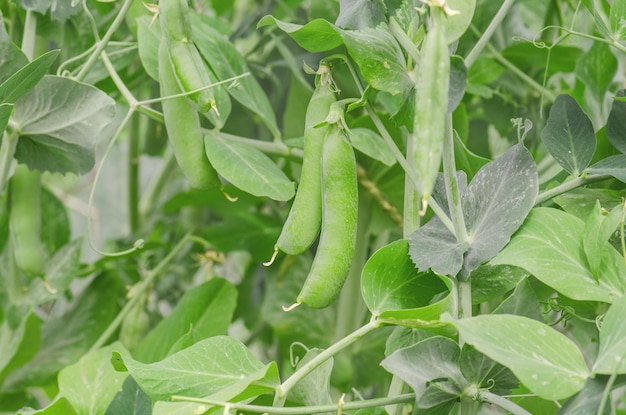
{"points": [[305, 217], [339, 223], [174, 19], [25, 221], [184, 130], [431, 103]]}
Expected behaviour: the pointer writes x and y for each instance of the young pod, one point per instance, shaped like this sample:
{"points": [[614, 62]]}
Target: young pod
{"points": [[25, 221], [184, 129], [303, 223], [431, 103], [339, 223]]}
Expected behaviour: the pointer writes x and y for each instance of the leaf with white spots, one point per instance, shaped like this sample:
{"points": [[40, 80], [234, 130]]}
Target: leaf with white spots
{"points": [[544, 360], [612, 355]]}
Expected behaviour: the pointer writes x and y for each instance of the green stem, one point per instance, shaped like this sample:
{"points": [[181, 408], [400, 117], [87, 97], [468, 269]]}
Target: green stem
{"points": [[133, 175], [137, 294], [503, 403], [402, 38], [7, 151], [452, 186], [351, 308], [102, 44], [30, 31], [606, 394], [486, 36], [303, 410], [569, 185], [396, 388], [287, 385], [465, 300], [412, 217]]}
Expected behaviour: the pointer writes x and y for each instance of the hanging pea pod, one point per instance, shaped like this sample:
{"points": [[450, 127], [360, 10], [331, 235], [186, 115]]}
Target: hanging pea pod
{"points": [[431, 103], [303, 223]]}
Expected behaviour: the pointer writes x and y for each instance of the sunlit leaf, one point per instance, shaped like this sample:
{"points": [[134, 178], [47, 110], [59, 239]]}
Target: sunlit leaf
{"points": [[612, 354]]}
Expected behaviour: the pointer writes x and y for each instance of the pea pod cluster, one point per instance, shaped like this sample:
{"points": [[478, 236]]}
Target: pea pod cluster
{"points": [[431, 102], [305, 217]]}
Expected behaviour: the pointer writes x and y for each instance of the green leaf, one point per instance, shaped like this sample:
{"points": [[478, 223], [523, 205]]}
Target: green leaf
{"points": [[91, 383], [581, 201], [596, 69], [485, 373], [58, 122], [612, 165], [457, 24], [589, 399], [5, 114], [379, 58], [523, 302], [569, 135], [314, 388], [204, 311], [489, 282], [247, 168], [612, 354], [390, 281], [616, 123], [360, 14], [458, 81], [148, 39], [598, 230], [318, 35], [434, 359], [597, 18], [217, 365], [549, 246], [544, 360], [20, 340], [131, 400], [617, 19], [372, 145], [226, 62], [59, 406], [26, 78], [11, 57], [495, 204]]}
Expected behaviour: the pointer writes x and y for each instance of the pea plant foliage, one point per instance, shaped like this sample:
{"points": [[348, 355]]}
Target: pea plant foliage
{"points": [[307, 207]]}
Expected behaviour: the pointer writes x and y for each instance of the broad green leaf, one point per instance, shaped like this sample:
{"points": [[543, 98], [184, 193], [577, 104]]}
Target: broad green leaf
{"points": [[457, 24], [596, 69], [458, 81], [379, 58], [526, 55], [495, 204], [489, 282], [11, 57], [314, 388], [523, 302], [484, 71], [91, 383], [612, 354], [433, 359], [543, 359], [598, 230], [59, 10], [226, 62], [318, 35], [5, 113], [59, 406], [569, 135], [485, 373], [360, 14], [148, 39], [597, 18], [247, 168], [467, 161], [61, 270], [581, 201], [549, 246], [372, 145], [58, 122], [390, 281], [20, 340], [26, 78], [589, 399], [130, 400], [616, 123], [612, 165], [403, 337], [64, 339], [215, 365], [204, 311], [617, 19]]}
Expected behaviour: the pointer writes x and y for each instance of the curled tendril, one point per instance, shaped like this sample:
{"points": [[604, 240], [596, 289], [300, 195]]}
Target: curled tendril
{"points": [[293, 359], [599, 320]]}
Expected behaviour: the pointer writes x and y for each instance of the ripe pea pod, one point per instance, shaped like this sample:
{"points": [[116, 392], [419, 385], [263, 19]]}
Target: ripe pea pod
{"points": [[184, 130], [303, 223], [339, 223], [25, 221], [189, 69], [431, 103]]}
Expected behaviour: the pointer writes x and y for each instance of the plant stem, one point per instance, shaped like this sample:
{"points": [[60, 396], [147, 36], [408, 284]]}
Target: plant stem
{"points": [[303, 410], [486, 36], [503, 403], [283, 389], [7, 151], [137, 293], [102, 43], [452, 186], [133, 175], [569, 185], [606, 394], [30, 31], [412, 218]]}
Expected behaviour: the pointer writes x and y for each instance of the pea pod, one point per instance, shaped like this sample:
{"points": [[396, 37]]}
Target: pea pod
{"points": [[25, 221], [303, 223], [339, 223], [184, 130], [431, 102], [190, 71]]}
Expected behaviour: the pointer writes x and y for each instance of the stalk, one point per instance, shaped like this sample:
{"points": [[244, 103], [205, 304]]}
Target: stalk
{"points": [[484, 39], [133, 175]]}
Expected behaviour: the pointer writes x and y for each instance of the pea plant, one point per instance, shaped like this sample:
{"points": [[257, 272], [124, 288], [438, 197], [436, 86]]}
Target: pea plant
{"points": [[308, 207]]}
